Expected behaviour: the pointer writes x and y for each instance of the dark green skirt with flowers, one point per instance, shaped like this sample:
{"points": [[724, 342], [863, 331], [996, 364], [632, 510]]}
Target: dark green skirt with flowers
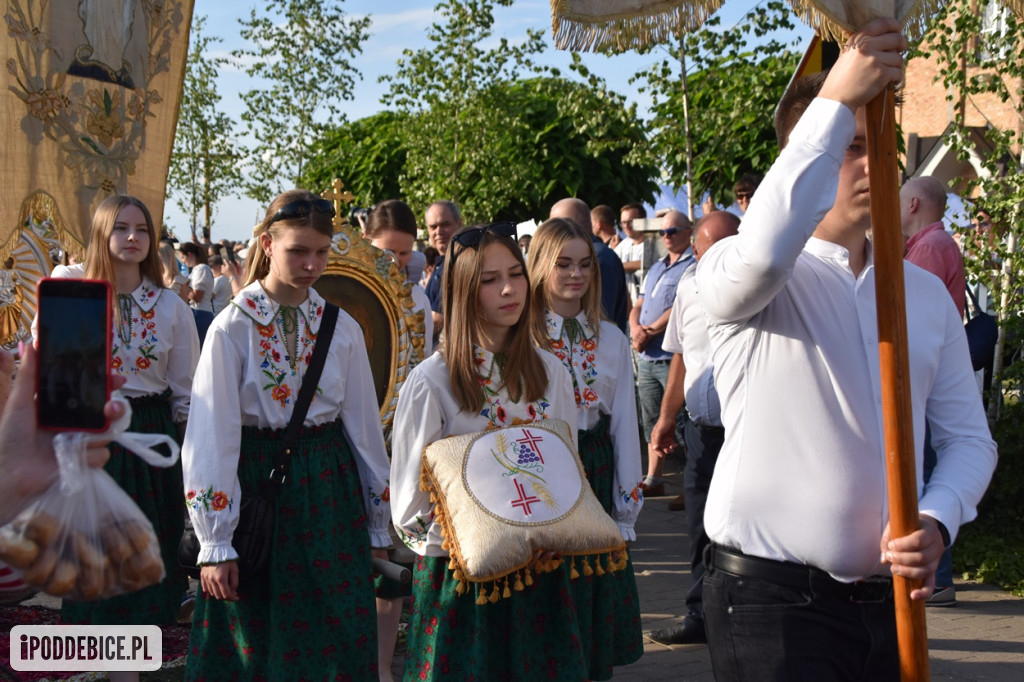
{"points": [[160, 495], [532, 635], [608, 606], [312, 616]]}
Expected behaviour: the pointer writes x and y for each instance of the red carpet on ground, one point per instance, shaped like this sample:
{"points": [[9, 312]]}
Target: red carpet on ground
{"points": [[175, 640]]}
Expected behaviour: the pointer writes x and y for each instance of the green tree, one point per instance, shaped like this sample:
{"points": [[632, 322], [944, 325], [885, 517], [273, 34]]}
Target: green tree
{"points": [[303, 51], [734, 78], [368, 155], [463, 139], [204, 164]]}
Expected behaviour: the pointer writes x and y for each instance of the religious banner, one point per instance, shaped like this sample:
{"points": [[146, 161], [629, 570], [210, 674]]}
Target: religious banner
{"points": [[88, 108]]}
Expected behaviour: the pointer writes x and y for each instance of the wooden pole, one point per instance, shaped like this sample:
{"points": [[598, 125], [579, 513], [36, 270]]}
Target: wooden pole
{"points": [[897, 415]]}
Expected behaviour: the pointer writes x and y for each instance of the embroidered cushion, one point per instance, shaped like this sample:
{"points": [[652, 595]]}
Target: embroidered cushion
{"points": [[501, 495]]}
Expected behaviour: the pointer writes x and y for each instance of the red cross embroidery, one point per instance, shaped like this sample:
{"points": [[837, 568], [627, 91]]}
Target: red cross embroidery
{"points": [[531, 442], [524, 500]]}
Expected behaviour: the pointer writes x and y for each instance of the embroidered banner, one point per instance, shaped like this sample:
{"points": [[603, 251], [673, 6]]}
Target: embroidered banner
{"points": [[90, 99]]}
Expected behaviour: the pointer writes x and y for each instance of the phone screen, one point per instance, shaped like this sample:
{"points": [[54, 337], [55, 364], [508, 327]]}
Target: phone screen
{"points": [[74, 354]]}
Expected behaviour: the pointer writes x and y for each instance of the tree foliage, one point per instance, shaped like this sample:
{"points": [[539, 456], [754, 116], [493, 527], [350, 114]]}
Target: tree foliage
{"points": [[204, 165], [463, 139], [981, 61], [734, 83], [302, 50], [368, 155]]}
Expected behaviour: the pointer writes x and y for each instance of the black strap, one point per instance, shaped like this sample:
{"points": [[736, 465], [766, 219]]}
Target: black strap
{"points": [[974, 299], [309, 382]]}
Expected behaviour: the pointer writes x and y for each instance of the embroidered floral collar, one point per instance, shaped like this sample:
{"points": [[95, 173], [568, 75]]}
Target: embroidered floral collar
{"points": [[555, 323], [146, 295], [258, 306]]}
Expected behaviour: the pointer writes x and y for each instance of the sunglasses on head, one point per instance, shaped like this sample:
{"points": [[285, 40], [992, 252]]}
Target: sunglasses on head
{"points": [[297, 210], [671, 231], [471, 237]]}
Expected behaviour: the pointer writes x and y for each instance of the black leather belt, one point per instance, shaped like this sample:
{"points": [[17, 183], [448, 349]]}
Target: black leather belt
{"points": [[796, 576]]}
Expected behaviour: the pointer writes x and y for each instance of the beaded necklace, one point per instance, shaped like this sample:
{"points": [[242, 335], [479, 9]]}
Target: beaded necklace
{"points": [[288, 322], [124, 309]]}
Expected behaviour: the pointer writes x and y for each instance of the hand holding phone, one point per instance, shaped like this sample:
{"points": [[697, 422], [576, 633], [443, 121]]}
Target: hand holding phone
{"points": [[74, 354]]}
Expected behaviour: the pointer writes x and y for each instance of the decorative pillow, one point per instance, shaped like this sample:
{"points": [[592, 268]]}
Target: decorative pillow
{"points": [[502, 495]]}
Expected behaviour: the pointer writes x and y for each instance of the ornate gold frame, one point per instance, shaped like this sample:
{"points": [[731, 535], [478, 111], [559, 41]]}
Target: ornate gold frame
{"points": [[370, 271]]}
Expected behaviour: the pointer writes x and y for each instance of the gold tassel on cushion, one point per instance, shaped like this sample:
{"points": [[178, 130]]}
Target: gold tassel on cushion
{"points": [[461, 589], [529, 578], [496, 594], [518, 586], [506, 593], [481, 598], [458, 575], [599, 569], [574, 573], [587, 570]]}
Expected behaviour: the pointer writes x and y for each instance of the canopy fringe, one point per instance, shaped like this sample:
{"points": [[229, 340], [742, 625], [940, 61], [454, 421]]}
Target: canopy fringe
{"points": [[647, 23]]}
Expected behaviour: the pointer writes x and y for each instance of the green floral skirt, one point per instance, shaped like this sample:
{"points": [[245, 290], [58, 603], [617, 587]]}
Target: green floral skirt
{"points": [[532, 635], [608, 606], [312, 617], [160, 495]]}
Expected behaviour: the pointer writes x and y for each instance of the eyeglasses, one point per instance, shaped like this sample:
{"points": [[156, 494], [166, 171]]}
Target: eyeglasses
{"points": [[671, 231], [297, 210], [742, 195], [471, 237]]}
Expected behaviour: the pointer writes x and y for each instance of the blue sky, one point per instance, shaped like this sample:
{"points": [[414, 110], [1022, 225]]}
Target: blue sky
{"points": [[397, 25]]}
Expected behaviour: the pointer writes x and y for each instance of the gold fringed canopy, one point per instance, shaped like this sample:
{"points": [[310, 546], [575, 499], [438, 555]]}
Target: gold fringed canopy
{"points": [[617, 25]]}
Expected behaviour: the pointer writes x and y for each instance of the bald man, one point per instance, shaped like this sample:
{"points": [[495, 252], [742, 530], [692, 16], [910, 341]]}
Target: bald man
{"points": [[613, 278], [691, 382], [929, 246], [647, 323]]}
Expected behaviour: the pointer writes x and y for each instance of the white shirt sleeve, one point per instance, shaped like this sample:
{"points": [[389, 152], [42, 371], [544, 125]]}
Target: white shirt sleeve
{"points": [[739, 276], [209, 455], [182, 357], [624, 434], [361, 417]]}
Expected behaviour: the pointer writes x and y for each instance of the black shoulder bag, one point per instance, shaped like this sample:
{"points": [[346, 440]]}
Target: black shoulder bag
{"points": [[982, 334], [254, 534]]}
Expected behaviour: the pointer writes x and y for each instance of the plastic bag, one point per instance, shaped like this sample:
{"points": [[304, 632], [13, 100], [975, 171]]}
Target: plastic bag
{"points": [[84, 538]]}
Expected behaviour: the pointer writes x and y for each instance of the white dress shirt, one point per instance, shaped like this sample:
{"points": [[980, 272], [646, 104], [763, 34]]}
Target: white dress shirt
{"points": [[157, 347], [801, 476], [427, 411], [601, 370], [245, 378], [687, 335]]}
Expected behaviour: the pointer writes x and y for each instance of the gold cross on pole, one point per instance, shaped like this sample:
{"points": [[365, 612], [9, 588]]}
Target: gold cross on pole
{"points": [[339, 198]]}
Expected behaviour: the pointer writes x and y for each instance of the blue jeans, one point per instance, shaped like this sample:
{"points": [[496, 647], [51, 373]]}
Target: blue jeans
{"points": [[651, 378]]}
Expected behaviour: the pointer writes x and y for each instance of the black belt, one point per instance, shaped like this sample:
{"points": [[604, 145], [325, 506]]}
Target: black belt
{"points": [[796, 576]]}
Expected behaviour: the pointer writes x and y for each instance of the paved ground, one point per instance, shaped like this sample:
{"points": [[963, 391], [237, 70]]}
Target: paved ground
{"points": [[982, 638]]}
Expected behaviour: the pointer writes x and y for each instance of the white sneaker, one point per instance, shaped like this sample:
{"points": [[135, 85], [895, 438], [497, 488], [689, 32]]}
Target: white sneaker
{"points": [[942, 596]]}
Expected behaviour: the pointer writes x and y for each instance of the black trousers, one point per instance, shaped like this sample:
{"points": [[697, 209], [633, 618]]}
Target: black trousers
{"points": [[761, 630], [702, 446]]}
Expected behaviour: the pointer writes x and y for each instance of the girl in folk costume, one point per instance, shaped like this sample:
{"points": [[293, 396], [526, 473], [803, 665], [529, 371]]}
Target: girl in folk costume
{"points": [[311, 615], [487, 374], [565, 317], [155, 347]]}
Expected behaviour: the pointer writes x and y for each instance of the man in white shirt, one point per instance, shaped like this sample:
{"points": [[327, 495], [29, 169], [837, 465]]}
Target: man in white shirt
{"points": [[630, 250], [691, 382], [796, 584]]}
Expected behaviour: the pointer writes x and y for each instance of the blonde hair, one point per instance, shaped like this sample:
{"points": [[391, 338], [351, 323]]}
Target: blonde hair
{"points": [[169, 263], [98, 264], [522, 371], [257, 263], [545, 248]]}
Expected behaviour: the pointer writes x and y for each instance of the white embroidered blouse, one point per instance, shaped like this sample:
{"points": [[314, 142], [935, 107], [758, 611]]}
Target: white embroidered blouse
{"points": [[601, 370], [427, 411], [155, 346], [245, 378]]}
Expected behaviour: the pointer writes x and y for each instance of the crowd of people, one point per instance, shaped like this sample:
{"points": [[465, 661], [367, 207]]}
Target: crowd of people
{"points": [[749, 344]]}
